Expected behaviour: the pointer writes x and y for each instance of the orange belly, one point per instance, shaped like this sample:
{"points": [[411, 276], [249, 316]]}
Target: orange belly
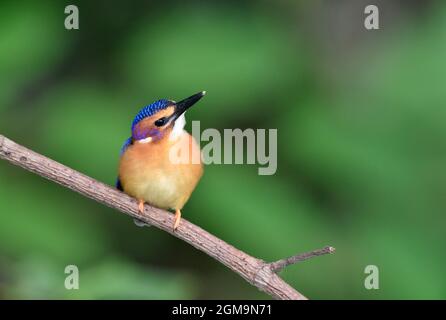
{"points": [[148, 172]]}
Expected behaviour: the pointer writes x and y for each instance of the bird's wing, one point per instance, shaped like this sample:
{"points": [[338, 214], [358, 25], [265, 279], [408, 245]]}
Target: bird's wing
{"points": [[119, 185], [124, 147]]}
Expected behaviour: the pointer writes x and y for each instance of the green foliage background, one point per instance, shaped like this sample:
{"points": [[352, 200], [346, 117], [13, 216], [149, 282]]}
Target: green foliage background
{"points": [[361, 127]]}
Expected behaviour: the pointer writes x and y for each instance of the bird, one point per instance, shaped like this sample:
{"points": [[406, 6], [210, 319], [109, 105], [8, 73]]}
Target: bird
{"points": [[147, 171]]}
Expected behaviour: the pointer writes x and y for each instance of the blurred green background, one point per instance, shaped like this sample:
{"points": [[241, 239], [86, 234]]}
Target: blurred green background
{"points": [[361, 125]]}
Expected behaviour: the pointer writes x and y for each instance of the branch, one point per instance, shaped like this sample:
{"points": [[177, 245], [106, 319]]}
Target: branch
{"points": [[255, 271]]}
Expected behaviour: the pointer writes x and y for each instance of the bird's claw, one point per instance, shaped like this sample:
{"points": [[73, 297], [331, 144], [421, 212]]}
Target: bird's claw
{"points": [[177, 219], [140, 223], [141, 206], [137, 221]]}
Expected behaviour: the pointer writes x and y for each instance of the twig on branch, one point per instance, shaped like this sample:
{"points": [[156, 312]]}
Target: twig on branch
{"points": [[283, 263], [256, 271]]}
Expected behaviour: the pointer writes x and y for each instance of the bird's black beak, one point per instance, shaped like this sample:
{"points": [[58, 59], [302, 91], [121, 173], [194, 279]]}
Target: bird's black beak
{"points": [[183, 105]]}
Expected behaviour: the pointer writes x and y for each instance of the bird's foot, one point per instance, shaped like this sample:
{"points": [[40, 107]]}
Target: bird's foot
{"points": [[139, 222], [177, 219], [141, 206]]}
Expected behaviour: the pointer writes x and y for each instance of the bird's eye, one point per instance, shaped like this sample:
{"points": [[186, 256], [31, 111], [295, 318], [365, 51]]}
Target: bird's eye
{"points": [[160, 122]]}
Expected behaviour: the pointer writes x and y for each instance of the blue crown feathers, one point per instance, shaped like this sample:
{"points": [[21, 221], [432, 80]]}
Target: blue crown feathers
{"points": [[150, 110]]}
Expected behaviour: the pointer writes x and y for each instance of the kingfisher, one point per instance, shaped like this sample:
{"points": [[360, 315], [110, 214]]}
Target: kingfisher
{"points": [[148, 170]]}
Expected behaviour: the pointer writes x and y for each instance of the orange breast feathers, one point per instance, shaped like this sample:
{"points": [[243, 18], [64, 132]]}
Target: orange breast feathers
{"points": [[163, 173]]}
